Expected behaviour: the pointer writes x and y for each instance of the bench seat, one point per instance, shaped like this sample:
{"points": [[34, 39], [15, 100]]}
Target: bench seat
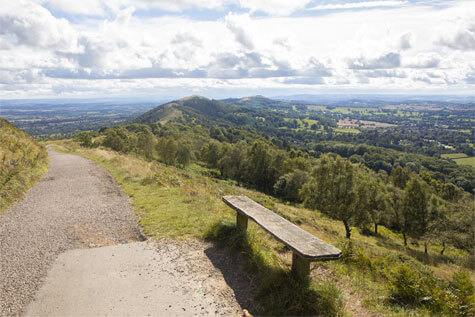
{"points": [[305, 246]]}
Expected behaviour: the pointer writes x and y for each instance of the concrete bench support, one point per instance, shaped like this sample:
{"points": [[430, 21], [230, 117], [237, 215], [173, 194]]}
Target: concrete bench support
{"points": [[305, 247], [241, 221]]}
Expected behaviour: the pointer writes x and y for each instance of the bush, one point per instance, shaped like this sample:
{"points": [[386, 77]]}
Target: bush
{"points": [[412, 287], [460, 297]]}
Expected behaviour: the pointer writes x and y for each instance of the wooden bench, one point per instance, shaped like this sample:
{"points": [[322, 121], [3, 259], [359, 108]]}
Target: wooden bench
{"points": [[305, 247]]}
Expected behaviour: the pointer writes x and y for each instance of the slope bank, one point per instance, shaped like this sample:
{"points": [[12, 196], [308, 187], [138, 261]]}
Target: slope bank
{"points": [[22, 163]]}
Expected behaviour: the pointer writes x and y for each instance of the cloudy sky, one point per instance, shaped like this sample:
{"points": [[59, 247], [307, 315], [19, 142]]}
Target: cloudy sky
{"points": [[217, 48]]}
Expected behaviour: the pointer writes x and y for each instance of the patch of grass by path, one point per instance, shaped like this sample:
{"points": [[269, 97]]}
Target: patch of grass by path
{"points": [[23, 161]]}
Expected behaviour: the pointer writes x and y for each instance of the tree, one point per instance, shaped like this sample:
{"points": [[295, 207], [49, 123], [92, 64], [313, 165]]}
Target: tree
{"points": [[260, 167], [288, 186], [378, 203], [183, 155], [400, 176], [333, 190], [169, 150], [145, 144], [116, 139], [416, 210], [84, 138], [211, 154]]}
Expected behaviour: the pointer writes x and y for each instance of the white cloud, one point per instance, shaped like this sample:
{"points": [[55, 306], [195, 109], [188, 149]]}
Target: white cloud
{"points": [[274, 7], [26, 23], [425, 60], [360, 5], [100, 8], [405, 47], [463, 39], [406, 41], [237, 24], [389, 60], [83, 7]]}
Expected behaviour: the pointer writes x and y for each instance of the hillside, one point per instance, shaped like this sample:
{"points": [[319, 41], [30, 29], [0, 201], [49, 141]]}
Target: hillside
{"points": [[188, 107], [22, 162], [376, 276], [406, 253], [261, 102]]}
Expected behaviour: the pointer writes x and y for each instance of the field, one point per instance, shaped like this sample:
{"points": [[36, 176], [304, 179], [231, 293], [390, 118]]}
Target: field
{"points": [[454, 155], [460, 158], [466, 161], [186, 204], [349, 123]]}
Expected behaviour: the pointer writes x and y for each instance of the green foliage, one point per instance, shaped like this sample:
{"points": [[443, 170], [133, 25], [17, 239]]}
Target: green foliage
{"points": [[167, 149], [145, 143], [117, 139], [183, 155], [400, 176], [416, 211], [334, 190], [85, 139], [412, 287], [460, 298], [289, 185]]}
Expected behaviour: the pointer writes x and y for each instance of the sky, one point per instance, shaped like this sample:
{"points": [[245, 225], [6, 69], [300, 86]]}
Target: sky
{"points": [[224, 48]]}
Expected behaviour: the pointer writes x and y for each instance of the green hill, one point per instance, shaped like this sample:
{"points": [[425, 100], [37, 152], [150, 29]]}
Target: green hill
{"points": [[260, 102], [22, 162], [192, 106]]}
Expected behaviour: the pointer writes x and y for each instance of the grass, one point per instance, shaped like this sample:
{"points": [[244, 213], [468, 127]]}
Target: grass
{"points": [[466, 161], [22, 163], [347, 130], [186, 204], [461, 158], [454, 155]]}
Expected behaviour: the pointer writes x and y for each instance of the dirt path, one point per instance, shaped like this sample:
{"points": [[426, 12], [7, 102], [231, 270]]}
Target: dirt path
{"points": [[78, 205]]}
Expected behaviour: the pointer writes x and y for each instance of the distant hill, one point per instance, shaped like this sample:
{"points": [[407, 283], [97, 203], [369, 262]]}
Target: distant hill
{"points": [[260, 102], [192, 106], [22, 162]]}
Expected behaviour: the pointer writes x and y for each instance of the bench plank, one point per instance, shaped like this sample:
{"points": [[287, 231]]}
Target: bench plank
{"points": [[300, 241]]}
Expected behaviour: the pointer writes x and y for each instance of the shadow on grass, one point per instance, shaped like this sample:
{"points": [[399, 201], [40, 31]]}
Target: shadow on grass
{"points": [[278, 292], [434, 259]]}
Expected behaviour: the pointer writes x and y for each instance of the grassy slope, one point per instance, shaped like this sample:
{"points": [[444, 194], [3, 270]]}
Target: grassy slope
{"points": [[185, 204], [22, 162]]}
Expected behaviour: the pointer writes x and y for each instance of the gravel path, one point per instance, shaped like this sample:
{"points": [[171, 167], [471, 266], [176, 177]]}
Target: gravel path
{"points": [[76, 204], [70, 247]]}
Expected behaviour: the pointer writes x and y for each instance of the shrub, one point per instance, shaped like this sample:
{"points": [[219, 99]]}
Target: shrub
{"points": [[459, 299], [412, 287]]}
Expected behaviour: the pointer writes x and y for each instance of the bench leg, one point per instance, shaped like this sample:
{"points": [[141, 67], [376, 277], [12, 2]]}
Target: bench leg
{"points": [[241, 221], [300, 267]]}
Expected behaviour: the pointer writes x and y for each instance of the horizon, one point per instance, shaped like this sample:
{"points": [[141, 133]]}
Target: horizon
{"points": [[52, 49]]}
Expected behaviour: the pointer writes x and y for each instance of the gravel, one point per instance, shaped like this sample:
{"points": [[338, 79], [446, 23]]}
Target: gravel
{"points": [[76, 204]]}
